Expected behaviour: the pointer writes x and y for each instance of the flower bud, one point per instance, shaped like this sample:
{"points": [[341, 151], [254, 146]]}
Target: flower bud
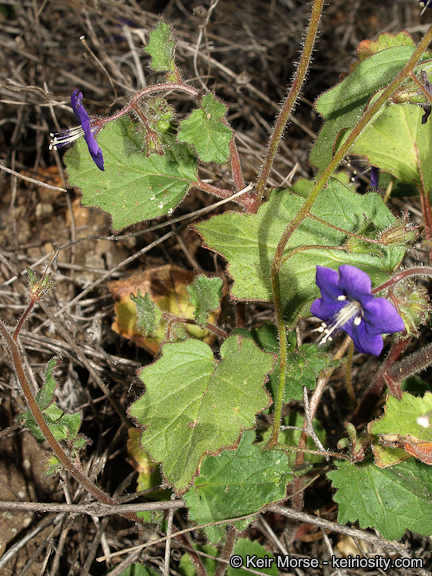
{"points": [[399, 233], [413, 304]]}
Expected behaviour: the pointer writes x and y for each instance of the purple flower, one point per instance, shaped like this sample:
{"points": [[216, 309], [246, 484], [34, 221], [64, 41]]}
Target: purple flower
{"points": [[347, 304], [374, 177], [87, 129]]}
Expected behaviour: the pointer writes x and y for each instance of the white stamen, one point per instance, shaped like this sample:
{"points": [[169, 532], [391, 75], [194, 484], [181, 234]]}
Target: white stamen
{"points": [[344, 316], [65, 137], [342, 297]]}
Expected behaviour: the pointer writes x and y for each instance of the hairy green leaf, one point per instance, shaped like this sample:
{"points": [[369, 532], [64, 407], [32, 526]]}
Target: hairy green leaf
{"points": [[400, 418], [205, 294], [133, 187], [342, 106], [161, 48], [392, 500], [399, 143], [62, 425], [194, 405], [148, 314], [206, 132], [237, 483]]}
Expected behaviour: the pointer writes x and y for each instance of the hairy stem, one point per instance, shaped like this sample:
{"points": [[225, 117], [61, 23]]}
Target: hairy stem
{"points": [[290, 101], [227, 551], [410, 365], [236, 166], [414, 271], [427, 215], [22, 320]]}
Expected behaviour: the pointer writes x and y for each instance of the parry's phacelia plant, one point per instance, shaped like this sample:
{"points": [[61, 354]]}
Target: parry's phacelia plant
{"points": [[88, 129], [207, 385], [347, 304]]}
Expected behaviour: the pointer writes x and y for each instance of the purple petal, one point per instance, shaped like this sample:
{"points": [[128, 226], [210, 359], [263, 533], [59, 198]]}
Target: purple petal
{"points": [[382, 317], [374, 177], [364, 341], [326, 309], [355, 283], [327, 281], [79, 110], [84, 119]]}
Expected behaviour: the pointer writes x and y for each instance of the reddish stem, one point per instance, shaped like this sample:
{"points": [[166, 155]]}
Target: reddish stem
{"points": [[374, 392], [427, 215], [227, 551], [22, 320], [290, 101], [224, 194], [414, 271], [55, 446]]}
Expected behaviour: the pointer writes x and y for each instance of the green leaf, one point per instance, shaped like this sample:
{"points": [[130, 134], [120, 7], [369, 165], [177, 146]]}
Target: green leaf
{"points": [[206, 132], [400, 418], [343, 105], [385, 40], [148, 314], [248, 242], [62, 425], [161, 48], [253, 553], [205, 294], [45, 396], [391, 500], [133, 187], [237, 483], [52, 465], [194, 405], [398, 143]]}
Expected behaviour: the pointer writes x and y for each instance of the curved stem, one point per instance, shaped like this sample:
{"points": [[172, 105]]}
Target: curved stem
{"points": [[153, 89], [414, 271], [55, 446], [290, 101]]}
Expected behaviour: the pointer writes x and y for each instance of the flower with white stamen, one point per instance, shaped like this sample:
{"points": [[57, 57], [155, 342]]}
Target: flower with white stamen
{"points": [[347, 304], [87, 129]]}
